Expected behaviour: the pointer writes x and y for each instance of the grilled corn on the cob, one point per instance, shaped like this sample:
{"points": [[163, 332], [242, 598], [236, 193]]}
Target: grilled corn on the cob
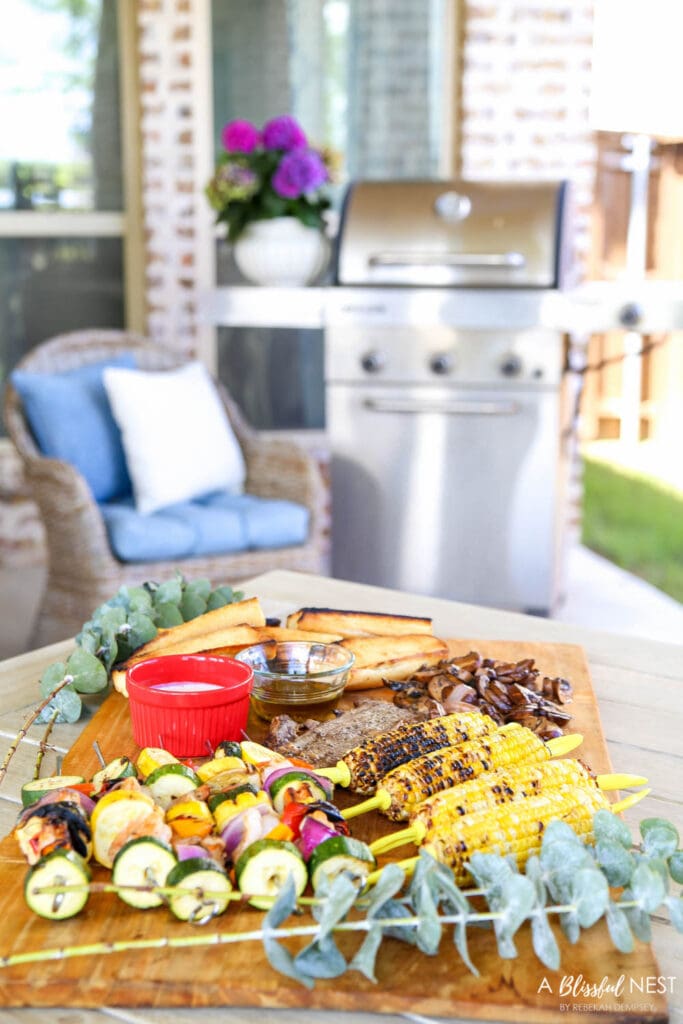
{"points": [[367, 764], [504, 786], [411, 783], [515, 829]]}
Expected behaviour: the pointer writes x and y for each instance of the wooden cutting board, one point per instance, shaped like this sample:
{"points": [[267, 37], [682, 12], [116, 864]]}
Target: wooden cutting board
{"points": [[239, 975]]}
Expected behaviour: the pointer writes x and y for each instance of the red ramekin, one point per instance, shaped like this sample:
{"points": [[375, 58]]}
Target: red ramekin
{"points": [[188, 724]]}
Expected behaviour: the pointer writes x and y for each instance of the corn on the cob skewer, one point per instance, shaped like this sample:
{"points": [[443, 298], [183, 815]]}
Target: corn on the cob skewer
{"points": [[409, 863], [406, 786], [362, 767], [493, 789]]}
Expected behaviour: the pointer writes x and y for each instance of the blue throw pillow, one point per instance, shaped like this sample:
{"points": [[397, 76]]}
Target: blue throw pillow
{"points": [[71, 420]]}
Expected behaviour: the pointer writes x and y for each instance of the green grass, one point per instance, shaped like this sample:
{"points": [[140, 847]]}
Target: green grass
{"points": [[635, 523]]}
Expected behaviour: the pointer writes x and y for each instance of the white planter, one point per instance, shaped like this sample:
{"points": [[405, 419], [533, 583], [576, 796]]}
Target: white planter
{"points": [[282, 251]]}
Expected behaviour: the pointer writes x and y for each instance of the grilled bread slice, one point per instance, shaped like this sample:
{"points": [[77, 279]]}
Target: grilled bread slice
{"points": [[390, 657], [351, 623]]}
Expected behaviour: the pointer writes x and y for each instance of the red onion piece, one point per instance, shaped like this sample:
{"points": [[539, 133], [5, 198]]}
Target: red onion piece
{"points": [[58, 796], [276, 773], [186, 851], [313, 832]]}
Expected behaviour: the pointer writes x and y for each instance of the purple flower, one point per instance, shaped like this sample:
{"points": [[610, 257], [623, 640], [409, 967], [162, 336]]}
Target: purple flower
{"points": [[240, 137], [283, 133], [300, 171]]}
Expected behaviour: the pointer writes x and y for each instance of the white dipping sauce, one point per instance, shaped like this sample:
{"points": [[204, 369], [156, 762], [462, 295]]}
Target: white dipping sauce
{"points": [[185, 687]]}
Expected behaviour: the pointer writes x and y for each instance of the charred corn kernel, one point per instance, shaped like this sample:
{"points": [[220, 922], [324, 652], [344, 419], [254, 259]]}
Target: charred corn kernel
{"points": [[504, 786], [371, 761], [411, 783], [515, 829], [210, 769], [229, 808], [151, 758]]}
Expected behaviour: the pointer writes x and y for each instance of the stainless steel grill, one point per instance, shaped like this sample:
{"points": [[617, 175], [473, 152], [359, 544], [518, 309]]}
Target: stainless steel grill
{"points": [[444, 395]]}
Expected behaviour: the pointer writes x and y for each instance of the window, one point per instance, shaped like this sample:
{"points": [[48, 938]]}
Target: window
{"points": [[63, 241]]}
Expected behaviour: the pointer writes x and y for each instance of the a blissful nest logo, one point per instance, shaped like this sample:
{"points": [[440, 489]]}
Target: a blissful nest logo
{"points": [[576, 986]]}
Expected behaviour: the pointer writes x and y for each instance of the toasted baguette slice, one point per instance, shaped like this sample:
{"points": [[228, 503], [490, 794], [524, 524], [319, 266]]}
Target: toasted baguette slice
{"points": [[390, 657], [350, 623], [247, 613]]}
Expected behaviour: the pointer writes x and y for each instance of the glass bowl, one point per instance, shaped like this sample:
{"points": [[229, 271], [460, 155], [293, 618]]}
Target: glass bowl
{"points": [[299, 679]]}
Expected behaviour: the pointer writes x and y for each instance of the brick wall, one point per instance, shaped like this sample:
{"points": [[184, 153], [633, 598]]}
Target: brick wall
{"points": [[524, 97], [178, 232]]}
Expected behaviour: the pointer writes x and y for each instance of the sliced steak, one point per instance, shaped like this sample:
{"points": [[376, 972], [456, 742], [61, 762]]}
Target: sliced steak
{"points": [[323, 743]]}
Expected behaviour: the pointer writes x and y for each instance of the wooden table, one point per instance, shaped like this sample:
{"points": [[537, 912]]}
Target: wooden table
{"points": [[639, 684]]}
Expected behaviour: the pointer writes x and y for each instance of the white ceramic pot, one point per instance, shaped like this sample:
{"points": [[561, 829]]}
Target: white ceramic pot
{"points": [[282, 251]]}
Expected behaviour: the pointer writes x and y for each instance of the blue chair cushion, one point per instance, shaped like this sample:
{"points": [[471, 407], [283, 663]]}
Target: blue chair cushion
{"points": [[220, 523], [70, 418]]}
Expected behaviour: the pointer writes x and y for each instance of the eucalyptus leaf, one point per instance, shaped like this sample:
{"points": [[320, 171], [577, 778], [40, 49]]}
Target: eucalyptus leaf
{"points": [[619, 930], [590, 895], [216, 600], [490, 871], [396, 909], [660, 865], [560, 861], [142, 629], [616, 862], [544, 941], [282, 960], [321, 959], [676, 866], [559, 831], [648, 887], [192, 605], [534, 873], [366, 955], [428, 933], [569, 923], [283, 907], [52, 677], [675, 905], [89, 674], [108, 649], [167, 615], [460, 942], [659, 840], [140, 600], [200, 588], [89, 640], [66, 703], [169, 592], [608, 826], [339, 899], [112, 618], [389, 883], [640, 923], [517, 900]]}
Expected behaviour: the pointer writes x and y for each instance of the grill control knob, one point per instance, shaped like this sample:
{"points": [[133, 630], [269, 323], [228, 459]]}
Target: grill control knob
{"points": [[511, 365], [373, 362], [441, 363], [631, 314]]}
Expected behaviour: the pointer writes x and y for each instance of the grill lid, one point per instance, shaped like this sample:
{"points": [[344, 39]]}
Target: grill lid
{"points": [[452, 233]]}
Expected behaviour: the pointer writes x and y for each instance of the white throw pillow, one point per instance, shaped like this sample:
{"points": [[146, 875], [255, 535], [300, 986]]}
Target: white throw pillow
{"points": [[177, 438]]}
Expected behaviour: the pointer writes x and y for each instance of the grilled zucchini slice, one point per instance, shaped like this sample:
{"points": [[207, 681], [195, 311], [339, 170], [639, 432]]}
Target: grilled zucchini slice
{"points": [[142, 861], [61, 867], [203, 890], [264, 867], [341, 854]]}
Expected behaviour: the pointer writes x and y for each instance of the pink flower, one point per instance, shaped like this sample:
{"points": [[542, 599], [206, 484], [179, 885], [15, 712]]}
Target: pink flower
{"points": [[283, 133], [240, 137], [300, 171]]}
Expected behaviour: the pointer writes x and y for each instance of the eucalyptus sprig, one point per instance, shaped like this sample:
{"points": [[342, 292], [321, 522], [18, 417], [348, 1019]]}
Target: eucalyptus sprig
{"points": [[115, 630], [566, 879]]}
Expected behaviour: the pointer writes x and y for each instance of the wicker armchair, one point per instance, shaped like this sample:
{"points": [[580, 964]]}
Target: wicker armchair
{"points": [[83, 572]]}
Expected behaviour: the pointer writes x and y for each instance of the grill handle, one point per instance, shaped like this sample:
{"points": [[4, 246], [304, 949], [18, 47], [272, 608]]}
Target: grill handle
{"points": [[443, 408], [478, 260]]}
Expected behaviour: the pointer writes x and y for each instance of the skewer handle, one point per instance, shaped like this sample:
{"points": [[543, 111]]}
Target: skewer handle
{"points": [[620, 780], [379, 802], [564, 744], [629, 801], [339, 774]]}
